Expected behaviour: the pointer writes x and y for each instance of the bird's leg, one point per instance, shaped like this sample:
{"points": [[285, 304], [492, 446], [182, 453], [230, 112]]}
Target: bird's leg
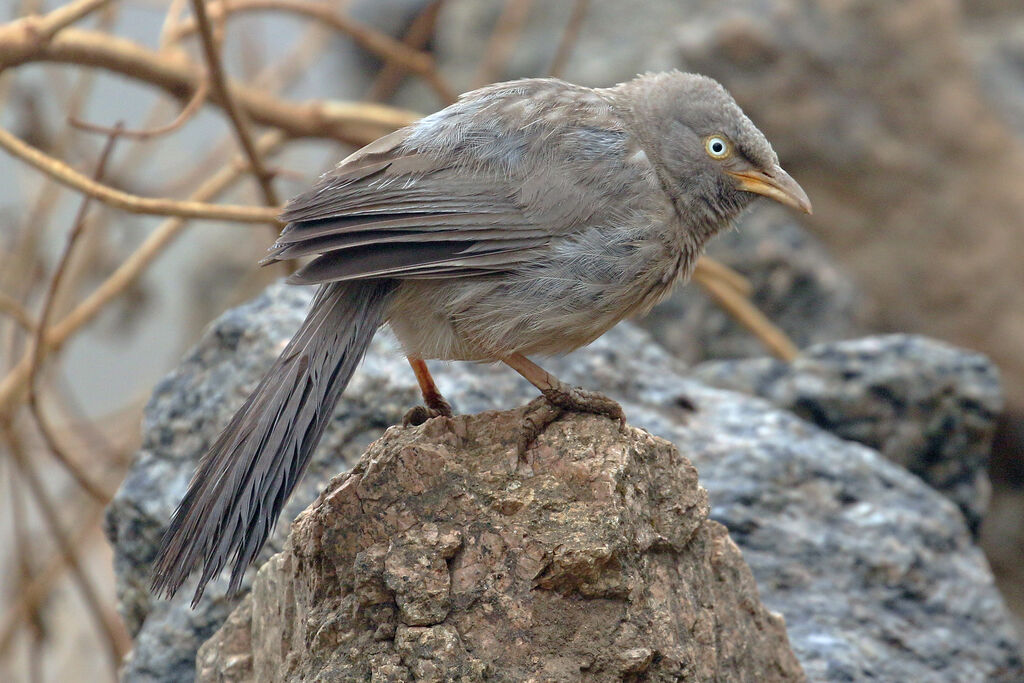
{"points": [[435, 404], [556, 398]]}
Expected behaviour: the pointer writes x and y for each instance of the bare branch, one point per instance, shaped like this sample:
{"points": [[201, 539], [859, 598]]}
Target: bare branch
{"points": [[66, 175], [239, 119], [748, 315], [368, 38], [709, 268], [35, 349], [47, 26], [174, 73], [503, 40], [32, 595], [569, 36], [391, 73], [11, 307], [12, 386], [186, 113], [52, 520]]}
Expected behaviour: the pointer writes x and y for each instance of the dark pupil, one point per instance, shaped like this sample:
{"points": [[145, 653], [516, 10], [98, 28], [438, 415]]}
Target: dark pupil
{"points": [[716, 147]]}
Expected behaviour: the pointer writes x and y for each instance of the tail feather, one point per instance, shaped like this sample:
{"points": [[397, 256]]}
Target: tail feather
{"points": [[242, 483]]}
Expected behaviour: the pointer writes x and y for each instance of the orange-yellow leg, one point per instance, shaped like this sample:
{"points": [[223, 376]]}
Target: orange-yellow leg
{"points": [[435, 403]]}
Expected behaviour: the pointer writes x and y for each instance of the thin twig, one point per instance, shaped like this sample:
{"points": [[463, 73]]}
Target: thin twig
{"points": [[31, 596], [36, 349], [33, 618], [569, 37], [52, 520], [391, 73], [709, 268], [239, 119], [14, 382], [47, 26], [366, 37], [32, 232], [170, 31], [355, 123], [503, 40], [748, 315], [186, 113], [66, 175], [10, 306]]}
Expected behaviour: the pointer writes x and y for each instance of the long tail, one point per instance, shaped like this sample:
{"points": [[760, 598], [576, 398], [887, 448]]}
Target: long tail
{"points": [[241, 485]]}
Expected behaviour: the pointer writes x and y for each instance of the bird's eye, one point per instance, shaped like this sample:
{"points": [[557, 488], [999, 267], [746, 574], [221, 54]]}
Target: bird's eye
{"points": [[717, 147]]}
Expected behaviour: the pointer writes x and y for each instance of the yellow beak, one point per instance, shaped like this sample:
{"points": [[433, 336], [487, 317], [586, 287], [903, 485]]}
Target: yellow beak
{"points": [[775, 184]]}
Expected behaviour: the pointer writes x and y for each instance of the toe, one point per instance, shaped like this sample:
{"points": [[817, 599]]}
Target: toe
{"points": [[416, 416]]}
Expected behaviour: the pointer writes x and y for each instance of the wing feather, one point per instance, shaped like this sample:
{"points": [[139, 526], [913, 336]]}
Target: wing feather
{"points": [[466, 191]]}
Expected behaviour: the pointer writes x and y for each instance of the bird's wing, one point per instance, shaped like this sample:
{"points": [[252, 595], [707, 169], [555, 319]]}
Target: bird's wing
{"points": [[475, 188]]}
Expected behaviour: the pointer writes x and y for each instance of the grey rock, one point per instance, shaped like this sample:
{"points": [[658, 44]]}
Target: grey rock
{"points": [[874, 572], [997, 49], [794, 282], [182, 419], [925, 405]]}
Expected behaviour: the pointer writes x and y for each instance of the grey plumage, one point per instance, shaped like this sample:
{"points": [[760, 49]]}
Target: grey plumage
{"points": [[528, 217], [246, 477]]}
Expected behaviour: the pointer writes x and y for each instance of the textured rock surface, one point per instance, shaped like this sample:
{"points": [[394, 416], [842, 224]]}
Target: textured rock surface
{"points": [[874, 572], [440, 557], [926, 405], [997, 46], [795, 283]]}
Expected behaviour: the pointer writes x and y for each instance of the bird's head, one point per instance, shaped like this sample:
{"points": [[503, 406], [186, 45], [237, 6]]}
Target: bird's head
{"points": [[710, 156]]}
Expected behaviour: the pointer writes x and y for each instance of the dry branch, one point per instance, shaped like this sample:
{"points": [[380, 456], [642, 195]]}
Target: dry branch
{"points": [[36, 489], [222, 91], [66, 175], [10, 306], [366, 37], [569, 37], [47, 26], [186, 113], [174, 73], [416, 37], [503, 40], [12, 386], [35, 350], [748, 315]]}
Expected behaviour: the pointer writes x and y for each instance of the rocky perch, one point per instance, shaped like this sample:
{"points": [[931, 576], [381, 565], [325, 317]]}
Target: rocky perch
{"points": [[441, 557], [874, 571]]}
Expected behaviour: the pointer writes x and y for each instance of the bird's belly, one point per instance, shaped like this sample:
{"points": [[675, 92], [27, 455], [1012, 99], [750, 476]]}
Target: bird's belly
{"points": [[481, 319]]}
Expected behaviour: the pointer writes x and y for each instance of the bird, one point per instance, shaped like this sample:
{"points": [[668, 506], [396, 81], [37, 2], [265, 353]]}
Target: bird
{"points": [[527, 218]]}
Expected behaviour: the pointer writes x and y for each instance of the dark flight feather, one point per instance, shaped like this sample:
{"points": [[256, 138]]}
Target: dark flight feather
{"points": [[244, 480]]}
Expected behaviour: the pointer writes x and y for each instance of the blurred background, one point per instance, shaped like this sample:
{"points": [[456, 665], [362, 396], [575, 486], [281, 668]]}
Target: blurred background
{"points": [[903, 121]]}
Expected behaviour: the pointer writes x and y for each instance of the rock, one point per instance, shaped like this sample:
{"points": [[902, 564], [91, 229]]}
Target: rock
{"points": [[873, 570], [925, 405], [913, 205], [183, 416], [603, 54], [997, 47], [441, 557], [795, 283]]}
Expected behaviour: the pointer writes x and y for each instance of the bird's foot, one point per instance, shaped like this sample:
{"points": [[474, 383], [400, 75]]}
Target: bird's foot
{"points": [[542, 411], [583, 401], [438, 407]]}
